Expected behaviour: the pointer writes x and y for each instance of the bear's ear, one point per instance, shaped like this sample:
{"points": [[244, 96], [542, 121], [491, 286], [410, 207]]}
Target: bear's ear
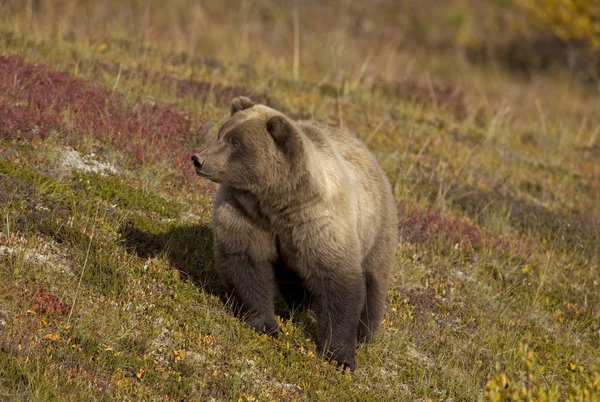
{"points": [[284, 134], [240, 103]]}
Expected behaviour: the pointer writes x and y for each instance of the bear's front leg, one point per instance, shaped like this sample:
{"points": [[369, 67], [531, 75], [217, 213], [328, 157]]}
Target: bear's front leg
{"points": [[339, 305], [253, 287], [244, 254]]}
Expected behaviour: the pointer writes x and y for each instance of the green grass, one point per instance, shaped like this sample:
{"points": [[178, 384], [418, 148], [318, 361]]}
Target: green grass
{"points": [[107, 285]]}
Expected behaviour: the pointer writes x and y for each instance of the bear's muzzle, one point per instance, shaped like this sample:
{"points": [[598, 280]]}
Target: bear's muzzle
{"points": [[197, 161]]}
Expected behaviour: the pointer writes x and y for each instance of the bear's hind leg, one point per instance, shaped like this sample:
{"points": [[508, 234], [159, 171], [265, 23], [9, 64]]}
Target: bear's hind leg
{"points": [[377, 268], [338, 312]]}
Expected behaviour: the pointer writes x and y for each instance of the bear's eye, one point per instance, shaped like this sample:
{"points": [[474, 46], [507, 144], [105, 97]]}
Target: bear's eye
{"points": [[234, 143]]}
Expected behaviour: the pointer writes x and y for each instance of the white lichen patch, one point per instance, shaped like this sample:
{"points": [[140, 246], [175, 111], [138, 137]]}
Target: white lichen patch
{"points": [[40, 252], [71, 159], [190, 217], [418, 356], [3, 318]]}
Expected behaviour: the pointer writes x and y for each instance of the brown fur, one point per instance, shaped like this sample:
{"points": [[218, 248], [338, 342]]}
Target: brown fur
{"points": [[303, 209]]}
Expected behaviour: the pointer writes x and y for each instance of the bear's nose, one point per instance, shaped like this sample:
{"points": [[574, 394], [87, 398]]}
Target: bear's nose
{"points": [[197, 161]]}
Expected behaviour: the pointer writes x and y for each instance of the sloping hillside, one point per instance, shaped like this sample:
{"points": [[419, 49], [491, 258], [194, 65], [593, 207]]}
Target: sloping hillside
{"points": [[107, 287]]}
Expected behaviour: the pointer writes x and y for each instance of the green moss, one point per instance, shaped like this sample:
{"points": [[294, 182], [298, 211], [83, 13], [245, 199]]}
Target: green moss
{"points": [[41, 183], [114, 191]]}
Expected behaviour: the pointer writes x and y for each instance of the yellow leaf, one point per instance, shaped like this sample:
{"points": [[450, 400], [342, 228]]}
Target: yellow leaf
{"points": [[504, 380], [525, 269], [140, 373], [52, 336]]}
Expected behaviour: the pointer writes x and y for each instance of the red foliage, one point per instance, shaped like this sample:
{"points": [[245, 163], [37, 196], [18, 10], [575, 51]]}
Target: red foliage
{"points": [[21, 121], [34, 101], [419, 227], [46, 303]]}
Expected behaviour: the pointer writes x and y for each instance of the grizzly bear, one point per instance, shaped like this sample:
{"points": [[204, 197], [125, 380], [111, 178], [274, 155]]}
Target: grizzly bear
{"points": [[303, 209]]}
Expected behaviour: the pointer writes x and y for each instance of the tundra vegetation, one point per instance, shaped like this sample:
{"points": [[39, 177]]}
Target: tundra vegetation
{"points": [[484, 116]]}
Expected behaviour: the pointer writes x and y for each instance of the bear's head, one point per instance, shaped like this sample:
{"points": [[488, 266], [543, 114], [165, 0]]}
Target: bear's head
{"points": [[256, 148]]}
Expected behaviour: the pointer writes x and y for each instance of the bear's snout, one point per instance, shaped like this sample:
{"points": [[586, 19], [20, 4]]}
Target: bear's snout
{"points": [[197, 161], [204, 169], [199, 164]]}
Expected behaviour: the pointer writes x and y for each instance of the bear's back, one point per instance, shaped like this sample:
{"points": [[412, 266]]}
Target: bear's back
{"points": [[332, 140], [376, 207]]}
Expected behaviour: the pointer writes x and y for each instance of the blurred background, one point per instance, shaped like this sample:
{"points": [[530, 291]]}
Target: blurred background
{"points": [[379, 38]]}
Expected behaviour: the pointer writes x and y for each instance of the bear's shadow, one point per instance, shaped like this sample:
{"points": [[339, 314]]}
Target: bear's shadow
{"points": [[189, 249]]}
